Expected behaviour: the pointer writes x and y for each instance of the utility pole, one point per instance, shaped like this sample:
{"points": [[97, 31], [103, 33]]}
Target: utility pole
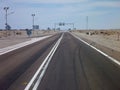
{"points": [[54, 26], [87, 22], [6, 10], [33, 15], [73, 26]]}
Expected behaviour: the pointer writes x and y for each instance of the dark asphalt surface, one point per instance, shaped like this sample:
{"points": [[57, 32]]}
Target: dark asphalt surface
{"points": [[74, 66], [19, 66]]}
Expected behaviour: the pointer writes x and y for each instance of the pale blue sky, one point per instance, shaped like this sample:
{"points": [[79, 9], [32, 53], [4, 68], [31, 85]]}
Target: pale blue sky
{"points": [[102, 14]]}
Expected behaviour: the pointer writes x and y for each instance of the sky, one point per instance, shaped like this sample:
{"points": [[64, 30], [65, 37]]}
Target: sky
{"points": [[102, 14]]}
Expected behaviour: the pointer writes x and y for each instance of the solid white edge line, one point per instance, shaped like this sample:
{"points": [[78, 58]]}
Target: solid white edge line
{"points": [[35, 75], [40, 68], [45, 68], [111, 58]]}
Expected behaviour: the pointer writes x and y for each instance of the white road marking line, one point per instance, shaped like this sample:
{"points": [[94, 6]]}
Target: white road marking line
{"points": [[20, 45], [111, 58], [42, 68]]}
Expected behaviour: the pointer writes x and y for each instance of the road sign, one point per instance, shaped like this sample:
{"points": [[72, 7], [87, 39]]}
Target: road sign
{"points": [[35, 26]]}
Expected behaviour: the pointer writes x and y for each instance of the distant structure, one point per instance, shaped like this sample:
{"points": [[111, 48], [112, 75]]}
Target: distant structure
{"points": [[63, 24], [87, 23], [48, 28], [29, 32], [33, 15], [35, 27], [7, 27]]}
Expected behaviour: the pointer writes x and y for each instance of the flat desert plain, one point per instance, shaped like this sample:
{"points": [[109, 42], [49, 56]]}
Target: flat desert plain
{"points": [[12, 37], [107, 41]]}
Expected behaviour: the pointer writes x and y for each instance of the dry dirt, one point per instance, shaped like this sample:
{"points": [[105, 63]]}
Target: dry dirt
{"points": [[107, 41], [8, 38]]}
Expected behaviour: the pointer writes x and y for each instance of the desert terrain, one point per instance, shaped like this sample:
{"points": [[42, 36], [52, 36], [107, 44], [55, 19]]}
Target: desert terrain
{"points": [[107, 41], [12, 37]]}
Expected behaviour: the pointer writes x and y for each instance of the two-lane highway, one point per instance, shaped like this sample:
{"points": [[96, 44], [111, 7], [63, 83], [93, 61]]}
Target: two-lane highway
{"points": [[73, 66], [76, 66]]}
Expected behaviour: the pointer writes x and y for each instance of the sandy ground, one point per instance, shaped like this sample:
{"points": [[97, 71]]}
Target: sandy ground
{"points": [[9, 38], [106, 40]]}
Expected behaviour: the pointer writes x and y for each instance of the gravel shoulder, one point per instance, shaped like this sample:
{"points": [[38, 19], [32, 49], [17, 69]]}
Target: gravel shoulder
{"points": [[106, 43]]}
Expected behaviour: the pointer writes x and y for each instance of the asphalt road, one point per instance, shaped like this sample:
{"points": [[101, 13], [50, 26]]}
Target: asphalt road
{"points": [[19, 66], [74, 66]]}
